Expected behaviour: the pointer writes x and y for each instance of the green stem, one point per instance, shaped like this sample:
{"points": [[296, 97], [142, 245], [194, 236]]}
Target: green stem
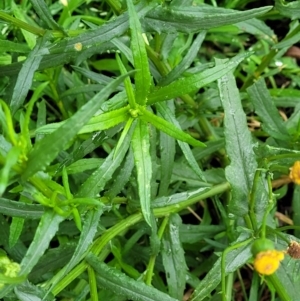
{"points": [[223, 264], [248, 221], [252, 199], [154, 56], [270, 206], [93, 284], [23, 25], [283, 156]]}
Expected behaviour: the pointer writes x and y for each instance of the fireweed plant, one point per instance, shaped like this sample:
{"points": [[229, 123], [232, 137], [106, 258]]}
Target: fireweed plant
{"points": [[149, 150]]}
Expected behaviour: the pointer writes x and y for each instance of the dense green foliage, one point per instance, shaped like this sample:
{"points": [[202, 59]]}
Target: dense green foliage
{"points": [[144, 147]]}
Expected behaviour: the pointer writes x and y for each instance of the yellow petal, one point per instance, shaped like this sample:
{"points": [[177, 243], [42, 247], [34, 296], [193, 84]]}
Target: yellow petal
{"points": [[267, 262]]}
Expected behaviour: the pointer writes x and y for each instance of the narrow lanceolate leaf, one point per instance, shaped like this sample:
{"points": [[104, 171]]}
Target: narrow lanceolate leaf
{"points": [[29, 292], [265, 108], [167, 155], [19, 209], [290, 9], [88, 232], [142, 159], [168, 128], [123, 285], [239, 145], [47, 149], [128, 85], [123, 176], [173, 258], [185, 85], [142, 76], [167, 114], [45, 231], [10, 160], [97, 180], [43, 12], [186, 62], [195, 18], [25, 76], [98, 123], [15, 230]]}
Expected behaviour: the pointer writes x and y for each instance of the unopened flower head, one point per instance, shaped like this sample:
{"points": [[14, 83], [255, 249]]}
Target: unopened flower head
{"points": [[267, 262], [295, 173]]}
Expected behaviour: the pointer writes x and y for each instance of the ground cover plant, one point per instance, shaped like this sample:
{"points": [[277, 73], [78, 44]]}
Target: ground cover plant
{"points": [[149, 150]]}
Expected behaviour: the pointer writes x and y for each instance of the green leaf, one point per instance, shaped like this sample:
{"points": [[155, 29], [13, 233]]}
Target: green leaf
{"points": [[288, 42], [234, 260], [142, 159], [53, 259], [15, 230], [167, 114], [267, 111], [258, 28], [87, 235], [123, 176], [167, 155], [121, 284], [29, 292], [19, 209], [177, 198], [127, 83], [83, 165], [186, 61], [173, 258], [98, 123], [124, 134], [196, 18], [41, 118], [191, 234], [288, 9], [168, 128], [44, 13], [142, 76], [20, 15], [9, 46], [47, 228], [96, 182], [45, 150], [26, 74], [192, 83], [239, 145], [83, 149], [99, 78], [10, 160], [282, 281]]}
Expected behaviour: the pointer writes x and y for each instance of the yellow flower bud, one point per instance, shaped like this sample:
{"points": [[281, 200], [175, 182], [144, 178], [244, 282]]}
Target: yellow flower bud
{"points": [[295, 173], [267, 262]]}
